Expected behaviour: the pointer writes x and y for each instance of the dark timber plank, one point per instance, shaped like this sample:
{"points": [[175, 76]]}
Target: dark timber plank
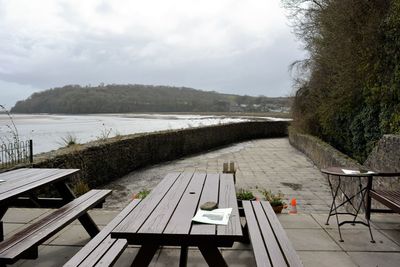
{"points": [[113, 253], [25, 178], [260, 252], [227, 199], [92, 251], [210, 193], [158, 220], [135, 219], [97, 254], [287, 248], [274, 251], [10, 175], [387, 198], [182, 218], [44, 228], [39, 178]]}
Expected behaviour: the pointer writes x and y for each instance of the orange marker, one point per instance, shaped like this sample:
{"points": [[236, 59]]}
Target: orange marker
{"points": [[293, 209]]}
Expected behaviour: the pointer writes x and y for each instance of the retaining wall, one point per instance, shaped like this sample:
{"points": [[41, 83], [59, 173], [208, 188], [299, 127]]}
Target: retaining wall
{"points": [[103, 161]]}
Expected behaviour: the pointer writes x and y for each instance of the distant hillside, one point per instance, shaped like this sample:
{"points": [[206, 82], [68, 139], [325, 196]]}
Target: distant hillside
{"points": [[74, 99]]}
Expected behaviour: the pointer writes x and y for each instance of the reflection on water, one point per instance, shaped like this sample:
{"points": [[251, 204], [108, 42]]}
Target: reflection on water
{"points": [[47, 131]]}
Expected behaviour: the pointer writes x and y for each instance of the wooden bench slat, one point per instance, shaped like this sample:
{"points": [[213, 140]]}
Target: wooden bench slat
{"points": [[209, 193], [111, 256], [36, 233], [92, 247], [227, 199], [287, 248], [94, 257], [141, 213], [158, 220], [260, 252], [387, 198], [274, 251], [181, 221]]}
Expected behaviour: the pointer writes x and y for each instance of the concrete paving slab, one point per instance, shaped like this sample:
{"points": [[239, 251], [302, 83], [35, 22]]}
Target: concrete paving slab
{"points": [[326, 259], [103, 216], [312, 239], [393, 235], [298, 221], [373, 259], [72, 235], [321, 219], [24, 215], [359, 240], [170, 257], [242, 258], [385, 221], [50, 256], [127, 257]]}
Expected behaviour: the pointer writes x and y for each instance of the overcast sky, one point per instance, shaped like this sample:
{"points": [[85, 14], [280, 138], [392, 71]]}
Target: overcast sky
{"points": [[230, 46]]}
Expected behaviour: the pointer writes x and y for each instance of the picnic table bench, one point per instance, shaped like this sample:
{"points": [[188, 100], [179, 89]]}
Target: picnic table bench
{"points": [[270, 244], [389, 198], [24, 244], [103, 250], [164, 218]]}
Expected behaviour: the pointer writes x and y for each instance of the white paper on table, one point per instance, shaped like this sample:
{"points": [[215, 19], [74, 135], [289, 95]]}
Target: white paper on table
{"points": [[355, 172], [217, 216]]}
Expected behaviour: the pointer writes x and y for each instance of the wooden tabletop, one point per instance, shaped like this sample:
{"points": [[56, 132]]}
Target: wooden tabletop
{"points": [[164, 216], [19, 181]]}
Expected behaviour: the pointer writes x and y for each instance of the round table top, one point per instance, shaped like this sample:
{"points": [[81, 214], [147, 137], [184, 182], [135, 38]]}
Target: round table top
{"points": [[348, 171]]}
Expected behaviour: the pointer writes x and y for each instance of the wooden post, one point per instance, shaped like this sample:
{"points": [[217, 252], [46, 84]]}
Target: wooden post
{"points": [[225, 167]]}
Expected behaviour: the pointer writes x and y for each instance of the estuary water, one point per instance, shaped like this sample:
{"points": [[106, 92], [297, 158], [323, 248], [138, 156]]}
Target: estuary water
{"points": [[48, 131]]}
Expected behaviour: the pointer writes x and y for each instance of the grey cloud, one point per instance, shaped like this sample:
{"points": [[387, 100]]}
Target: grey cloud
{"points": [[86, 57]]}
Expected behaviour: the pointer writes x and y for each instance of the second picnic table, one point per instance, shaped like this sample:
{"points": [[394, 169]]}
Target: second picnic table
{"points": [[164, 217]]}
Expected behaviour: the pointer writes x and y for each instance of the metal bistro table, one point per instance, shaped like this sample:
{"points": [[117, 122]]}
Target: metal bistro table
{"points": [[164, 218], [339, 174]]}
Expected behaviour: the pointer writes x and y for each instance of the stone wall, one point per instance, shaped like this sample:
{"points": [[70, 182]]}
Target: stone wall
{"points": [[102, 161], [322, 154], [384, 157]]}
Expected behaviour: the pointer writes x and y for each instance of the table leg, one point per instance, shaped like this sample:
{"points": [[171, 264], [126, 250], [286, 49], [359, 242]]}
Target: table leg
{"points": [[86, 221], [330, 210], [3, 211], [368, 207], [212, 256], [335, 208], [145, 255], [364, 195], [184, 256]]}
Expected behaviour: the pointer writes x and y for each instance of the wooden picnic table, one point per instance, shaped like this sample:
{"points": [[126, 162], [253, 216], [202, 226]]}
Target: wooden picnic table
{"points": [[18, 187], [164, 217]]}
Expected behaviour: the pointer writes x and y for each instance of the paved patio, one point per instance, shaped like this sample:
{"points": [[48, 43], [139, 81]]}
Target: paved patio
{"points": [[267, 163]]}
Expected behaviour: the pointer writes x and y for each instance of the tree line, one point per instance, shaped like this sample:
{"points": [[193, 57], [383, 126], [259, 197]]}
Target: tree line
{"points": [[348, 90], [113, 98]]}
